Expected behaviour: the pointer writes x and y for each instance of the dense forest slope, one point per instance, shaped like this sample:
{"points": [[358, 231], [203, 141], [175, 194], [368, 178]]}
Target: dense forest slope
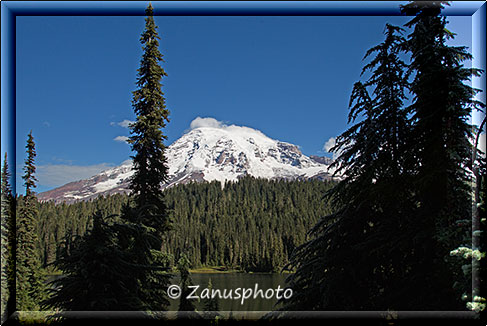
{"points": [[252, 224]]}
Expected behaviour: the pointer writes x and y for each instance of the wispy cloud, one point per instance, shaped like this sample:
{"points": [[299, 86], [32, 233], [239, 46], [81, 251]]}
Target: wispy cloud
{"points": [[329, 144], [125, 123], [121, 139], [62, 160], [54, 175]]}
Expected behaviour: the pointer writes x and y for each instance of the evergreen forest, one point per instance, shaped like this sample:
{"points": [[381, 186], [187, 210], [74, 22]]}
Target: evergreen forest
{"points": [[249, 225], [400, 231]]}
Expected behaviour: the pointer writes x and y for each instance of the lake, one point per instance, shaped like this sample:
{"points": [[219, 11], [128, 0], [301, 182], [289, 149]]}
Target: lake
{"points": [[233, 281], [247, 284]]}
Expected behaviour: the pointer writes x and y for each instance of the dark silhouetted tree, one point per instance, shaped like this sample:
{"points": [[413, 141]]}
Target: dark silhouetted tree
{"points": [[186, 305], [93, 268], [8, 244], [442, 104]]}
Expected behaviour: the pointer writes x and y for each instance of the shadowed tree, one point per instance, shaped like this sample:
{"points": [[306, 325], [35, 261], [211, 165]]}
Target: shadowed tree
{"points": [[442, 104], [186, 305], [94, 270], [371, 210], [211, 305], [8, 244], [405, 182]]}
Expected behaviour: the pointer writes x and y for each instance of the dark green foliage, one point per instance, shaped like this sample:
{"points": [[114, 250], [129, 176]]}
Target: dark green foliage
{"points": [[442, 103], [354, 256], [8, 244], [30, 283], [185, 305], [183, 268], [93, 269], [29, 167], [145, 217], [253, 224], [57, 221], [387, 244], [211, 305], [147, 139], [472, 250], [480, 222]]}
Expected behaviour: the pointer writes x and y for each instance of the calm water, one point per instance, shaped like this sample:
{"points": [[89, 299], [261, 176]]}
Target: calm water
{"points": [[232, 281]]}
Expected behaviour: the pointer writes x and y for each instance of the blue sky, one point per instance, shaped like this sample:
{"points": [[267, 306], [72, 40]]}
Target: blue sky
{"points": [[289, 77]]}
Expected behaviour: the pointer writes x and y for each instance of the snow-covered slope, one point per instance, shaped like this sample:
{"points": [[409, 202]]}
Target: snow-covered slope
{"points": [[208, 153]]}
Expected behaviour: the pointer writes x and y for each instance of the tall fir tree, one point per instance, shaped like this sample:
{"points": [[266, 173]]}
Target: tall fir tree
{"points": [[371, 210], [7, 245], [147, 140], [442, 104], [147, 214], [407, 231], [30, 280]]}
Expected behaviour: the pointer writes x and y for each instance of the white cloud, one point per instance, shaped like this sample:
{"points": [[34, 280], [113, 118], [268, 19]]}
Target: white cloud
{"points": [[125, 123], [121, 138], [205, 122], [213, 123], [54, 175], [329, 144]]}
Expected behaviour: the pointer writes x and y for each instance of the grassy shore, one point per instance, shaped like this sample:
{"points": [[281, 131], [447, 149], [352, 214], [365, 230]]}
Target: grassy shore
{"points": [[214, 270], [224, 269]]}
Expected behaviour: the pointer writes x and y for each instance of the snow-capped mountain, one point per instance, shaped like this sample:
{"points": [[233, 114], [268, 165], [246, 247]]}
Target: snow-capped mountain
{"points": [[205, 153]]}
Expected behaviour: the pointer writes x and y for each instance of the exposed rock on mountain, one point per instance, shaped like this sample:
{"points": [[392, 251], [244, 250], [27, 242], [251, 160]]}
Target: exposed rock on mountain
{"points": [[224, 153]]}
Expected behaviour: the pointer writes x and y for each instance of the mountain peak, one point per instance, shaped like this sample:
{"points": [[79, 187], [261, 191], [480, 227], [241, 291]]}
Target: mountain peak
{"points": [[209, 151]]}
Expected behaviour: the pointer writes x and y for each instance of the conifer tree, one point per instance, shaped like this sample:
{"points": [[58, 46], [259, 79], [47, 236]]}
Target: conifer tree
{"points": [[94, 270], [185, 305], [211, 304], [7, 229], [30, 283], [404, 182], [442, 105], [370, 207], [147, 139], [474, 252], [227, 235], [146, 215]]}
